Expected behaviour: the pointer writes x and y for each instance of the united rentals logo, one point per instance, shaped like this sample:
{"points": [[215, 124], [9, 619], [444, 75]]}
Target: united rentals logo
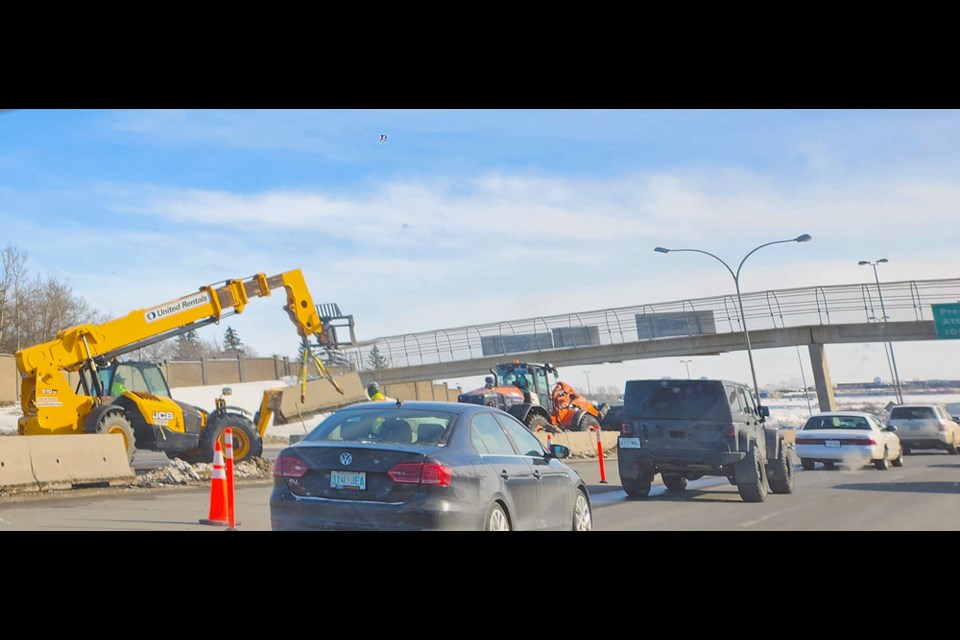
{"points": [[176, 306]]}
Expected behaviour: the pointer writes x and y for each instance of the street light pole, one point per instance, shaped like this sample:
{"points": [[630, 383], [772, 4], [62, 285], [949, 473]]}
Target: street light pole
{"points": [[887, 345], [589, 392], [687, 362], [736, 281]]}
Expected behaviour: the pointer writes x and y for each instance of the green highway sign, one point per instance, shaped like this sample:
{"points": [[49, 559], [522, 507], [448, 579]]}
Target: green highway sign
{"points": [[946, 319]]}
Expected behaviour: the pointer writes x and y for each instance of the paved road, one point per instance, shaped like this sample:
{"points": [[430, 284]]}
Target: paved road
{"points": [[923, 495]]}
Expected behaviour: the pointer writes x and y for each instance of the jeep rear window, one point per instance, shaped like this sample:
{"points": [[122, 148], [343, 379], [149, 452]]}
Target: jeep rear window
{"points": [[675, 400], [912, 413]]}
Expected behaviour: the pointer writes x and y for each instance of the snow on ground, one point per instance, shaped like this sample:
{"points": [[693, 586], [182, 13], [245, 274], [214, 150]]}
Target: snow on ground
{"points": [[785, 413], [791, 413], [247, 395]]}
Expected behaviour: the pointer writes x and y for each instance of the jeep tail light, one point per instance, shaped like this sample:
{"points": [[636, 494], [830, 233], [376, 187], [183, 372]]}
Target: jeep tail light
{"points": [[626, 428], [729, 431], [941, 426], [289, 466], [421, 473]]}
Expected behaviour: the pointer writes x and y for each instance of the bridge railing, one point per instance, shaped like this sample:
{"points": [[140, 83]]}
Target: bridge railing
{"points": [[819, 305]]}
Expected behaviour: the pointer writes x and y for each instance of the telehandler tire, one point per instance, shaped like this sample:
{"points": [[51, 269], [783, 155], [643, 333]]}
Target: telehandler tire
{"points": [[116, 422], [247, 441]]}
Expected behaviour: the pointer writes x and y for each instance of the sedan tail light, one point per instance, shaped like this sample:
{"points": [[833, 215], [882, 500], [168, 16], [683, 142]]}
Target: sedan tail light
{"points": [[289, 466], [421, 473]]}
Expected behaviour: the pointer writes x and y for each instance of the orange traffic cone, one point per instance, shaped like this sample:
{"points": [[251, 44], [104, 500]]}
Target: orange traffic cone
{"points": [[218, 491]]}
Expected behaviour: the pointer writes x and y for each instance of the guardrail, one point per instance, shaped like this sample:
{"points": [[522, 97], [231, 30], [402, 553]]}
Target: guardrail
{"points": [[773, 309]]}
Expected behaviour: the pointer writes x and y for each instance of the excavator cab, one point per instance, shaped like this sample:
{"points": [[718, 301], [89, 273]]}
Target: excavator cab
{"points": [[529, 378]]}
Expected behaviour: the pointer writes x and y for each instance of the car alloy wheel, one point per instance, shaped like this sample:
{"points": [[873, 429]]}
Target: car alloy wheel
{"points": [[497, 520], [582, 517]]}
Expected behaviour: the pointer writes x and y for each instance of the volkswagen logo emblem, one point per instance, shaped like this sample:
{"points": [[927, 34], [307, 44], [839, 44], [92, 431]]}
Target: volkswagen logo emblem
{"points": [[345, 458]]}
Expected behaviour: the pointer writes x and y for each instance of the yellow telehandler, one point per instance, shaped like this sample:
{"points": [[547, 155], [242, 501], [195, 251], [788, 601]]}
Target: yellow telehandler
{"points": [[132, 398]]}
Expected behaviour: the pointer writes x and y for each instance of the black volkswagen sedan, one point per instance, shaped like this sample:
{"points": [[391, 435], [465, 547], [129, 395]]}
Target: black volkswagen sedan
{"points": [[425, 466]]}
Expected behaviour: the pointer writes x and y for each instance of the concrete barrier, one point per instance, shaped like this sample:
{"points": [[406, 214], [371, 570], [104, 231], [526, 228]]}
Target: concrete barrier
{"points": [[44, 463], [583, 444], [16, 472], [321, 397]]}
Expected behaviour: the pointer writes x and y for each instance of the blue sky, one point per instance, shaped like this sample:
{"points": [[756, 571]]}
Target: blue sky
{"points": [[471, 216]]}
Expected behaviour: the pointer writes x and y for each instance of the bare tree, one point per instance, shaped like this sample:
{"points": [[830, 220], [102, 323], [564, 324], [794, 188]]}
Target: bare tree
{"points": [[610, 395], [34, 310], [156, 353], [188, 346], [48, 306], [14, 271]]}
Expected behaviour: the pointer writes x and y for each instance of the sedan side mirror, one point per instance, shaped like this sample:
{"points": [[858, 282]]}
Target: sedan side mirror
{"points": [[891, 428], [559, 451]]}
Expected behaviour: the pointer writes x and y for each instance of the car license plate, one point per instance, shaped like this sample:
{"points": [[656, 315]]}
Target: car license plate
{"points": [[831, 443], [629, 443], [356, 480]]}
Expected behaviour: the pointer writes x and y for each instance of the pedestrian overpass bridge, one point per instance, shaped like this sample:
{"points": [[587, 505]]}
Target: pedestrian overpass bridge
{"points": [[812, 317]]}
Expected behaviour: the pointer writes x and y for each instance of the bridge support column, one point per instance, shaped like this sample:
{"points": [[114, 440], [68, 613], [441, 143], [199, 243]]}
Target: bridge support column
{"points": [[821, 377]]}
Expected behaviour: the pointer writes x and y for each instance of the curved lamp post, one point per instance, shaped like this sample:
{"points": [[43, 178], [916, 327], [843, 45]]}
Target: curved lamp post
{"points": [[687, 362], [736, 281], [888, 346]]}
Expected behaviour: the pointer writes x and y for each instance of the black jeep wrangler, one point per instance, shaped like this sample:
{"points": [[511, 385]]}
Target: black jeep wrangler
{"points": [[686, 429]]}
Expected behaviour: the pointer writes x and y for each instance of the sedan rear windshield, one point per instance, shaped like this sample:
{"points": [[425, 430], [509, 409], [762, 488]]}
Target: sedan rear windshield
{"points": [[913, 413], [675, 400], [837, 422], [386, 424]]}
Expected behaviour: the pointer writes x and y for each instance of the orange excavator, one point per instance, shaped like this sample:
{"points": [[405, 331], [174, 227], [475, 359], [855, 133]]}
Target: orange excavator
{"points": [[523, 389]]}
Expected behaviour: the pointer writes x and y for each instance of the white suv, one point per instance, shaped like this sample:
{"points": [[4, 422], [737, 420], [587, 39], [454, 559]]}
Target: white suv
{"points": [[925, 426]]}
